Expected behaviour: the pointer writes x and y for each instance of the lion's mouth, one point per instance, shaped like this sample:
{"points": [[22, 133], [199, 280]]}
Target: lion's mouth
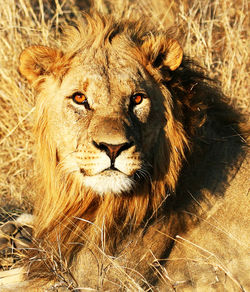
{"points": [[111, 168], [107, 171], [113, 180]]}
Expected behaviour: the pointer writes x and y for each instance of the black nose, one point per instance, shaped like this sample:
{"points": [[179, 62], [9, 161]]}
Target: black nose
{"points": [[112, 150]]}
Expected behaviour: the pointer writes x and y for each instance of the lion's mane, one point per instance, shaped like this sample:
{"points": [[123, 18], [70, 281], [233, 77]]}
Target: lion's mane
{"points": [[65, 212]]}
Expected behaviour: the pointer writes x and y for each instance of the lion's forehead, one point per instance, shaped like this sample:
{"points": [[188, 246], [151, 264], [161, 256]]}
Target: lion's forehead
{"points": [[108, 73], [112, 75]]}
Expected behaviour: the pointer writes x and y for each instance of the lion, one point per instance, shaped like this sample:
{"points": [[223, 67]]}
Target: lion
{"points": [[142, 167]]}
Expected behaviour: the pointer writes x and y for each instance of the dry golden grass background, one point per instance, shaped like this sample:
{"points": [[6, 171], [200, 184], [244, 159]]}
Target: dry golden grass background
{"points": [[213, 32]]}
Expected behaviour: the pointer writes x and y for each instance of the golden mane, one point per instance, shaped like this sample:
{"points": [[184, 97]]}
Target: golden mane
{"points": [[65, 211], [62, 201]]}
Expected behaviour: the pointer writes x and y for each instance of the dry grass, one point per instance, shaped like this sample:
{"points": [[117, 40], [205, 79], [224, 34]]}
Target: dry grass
{"points": [[215, 35]]}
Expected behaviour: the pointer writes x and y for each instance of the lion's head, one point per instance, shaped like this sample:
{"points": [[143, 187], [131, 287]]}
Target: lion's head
{"points": [[114, 114], [105, 106]]}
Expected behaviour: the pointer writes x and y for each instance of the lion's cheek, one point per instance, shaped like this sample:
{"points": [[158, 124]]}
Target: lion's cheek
{"points": [[128, 165], [150, 138], [63, 147]]}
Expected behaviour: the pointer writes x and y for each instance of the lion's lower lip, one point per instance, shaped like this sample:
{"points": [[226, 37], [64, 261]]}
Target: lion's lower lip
{"points": [[108, 170]]}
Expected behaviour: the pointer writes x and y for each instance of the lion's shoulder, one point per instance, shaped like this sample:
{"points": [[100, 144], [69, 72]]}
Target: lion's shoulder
{"points": [[215, 251]]}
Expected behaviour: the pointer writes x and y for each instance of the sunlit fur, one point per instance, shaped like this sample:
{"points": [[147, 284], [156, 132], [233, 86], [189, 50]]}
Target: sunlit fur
{"points": [[62, 198]]}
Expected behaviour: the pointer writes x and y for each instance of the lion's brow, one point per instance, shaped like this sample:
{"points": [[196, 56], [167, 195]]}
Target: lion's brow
{"points": [[85, 85]]}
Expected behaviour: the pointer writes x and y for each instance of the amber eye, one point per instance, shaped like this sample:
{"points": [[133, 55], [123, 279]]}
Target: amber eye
{"points": [[137, 98], [79, 98]]}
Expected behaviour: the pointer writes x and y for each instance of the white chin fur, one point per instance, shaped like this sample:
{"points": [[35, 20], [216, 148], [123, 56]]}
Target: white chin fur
{"points": [[115, 183]]}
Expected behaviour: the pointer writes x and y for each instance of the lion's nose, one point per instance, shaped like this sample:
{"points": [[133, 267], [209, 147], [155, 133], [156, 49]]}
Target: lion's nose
{"points": [[112, 150]]}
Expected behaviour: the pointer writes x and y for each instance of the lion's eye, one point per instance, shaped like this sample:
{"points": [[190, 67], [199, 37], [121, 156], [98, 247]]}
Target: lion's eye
{"points": [[80, 98], [137, 98]]}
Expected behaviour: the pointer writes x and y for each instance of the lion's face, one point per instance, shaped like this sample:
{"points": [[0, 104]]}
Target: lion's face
{"points": [[106, 120], [105, 111]]}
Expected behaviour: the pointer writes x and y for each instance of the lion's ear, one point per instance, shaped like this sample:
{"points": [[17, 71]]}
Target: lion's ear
{"points": [[38, 60], [161, 51]]}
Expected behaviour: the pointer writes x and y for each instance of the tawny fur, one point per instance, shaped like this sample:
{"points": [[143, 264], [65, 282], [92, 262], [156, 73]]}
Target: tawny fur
{"points": [[74, 224]]}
